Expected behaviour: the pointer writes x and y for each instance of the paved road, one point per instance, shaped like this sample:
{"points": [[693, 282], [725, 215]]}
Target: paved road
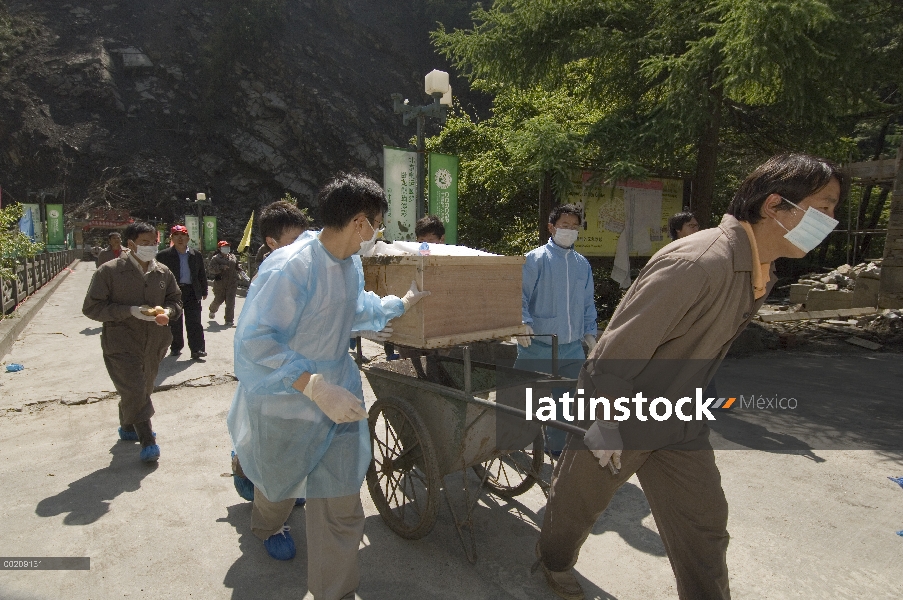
{"points": [[815, 524]]}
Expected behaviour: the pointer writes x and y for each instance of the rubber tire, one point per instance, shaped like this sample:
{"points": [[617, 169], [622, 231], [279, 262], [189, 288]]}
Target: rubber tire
{"points": [[427, 462]]}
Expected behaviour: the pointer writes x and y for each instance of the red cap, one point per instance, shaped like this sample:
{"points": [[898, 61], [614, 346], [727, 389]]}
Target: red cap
{"points": [[179, 229], [221, 244]]}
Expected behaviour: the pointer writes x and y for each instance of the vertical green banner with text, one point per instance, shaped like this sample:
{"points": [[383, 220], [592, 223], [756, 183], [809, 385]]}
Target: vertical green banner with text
{"points": [[400, 184], [194, 232], [210, 239], [56, 233], [444, 193]]}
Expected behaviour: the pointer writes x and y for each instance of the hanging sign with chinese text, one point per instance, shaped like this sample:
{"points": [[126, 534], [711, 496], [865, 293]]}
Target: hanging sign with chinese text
{"points": [[400, 184]]}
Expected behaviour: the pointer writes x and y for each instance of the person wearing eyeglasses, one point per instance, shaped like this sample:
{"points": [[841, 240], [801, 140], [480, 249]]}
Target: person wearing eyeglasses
{"points": [[298, 419]]}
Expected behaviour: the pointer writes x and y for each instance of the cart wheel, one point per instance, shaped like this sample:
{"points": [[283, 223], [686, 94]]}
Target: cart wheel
{"points": [[515, 473], [404, 477]]}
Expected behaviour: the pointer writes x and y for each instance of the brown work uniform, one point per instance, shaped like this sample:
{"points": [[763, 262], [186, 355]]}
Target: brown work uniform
{"points": [[689, 303], [106, 255], [224, 268], [132, 348]]}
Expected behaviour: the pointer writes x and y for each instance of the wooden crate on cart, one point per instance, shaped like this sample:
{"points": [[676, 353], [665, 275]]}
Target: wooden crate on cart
{"points": [[472, 297]]}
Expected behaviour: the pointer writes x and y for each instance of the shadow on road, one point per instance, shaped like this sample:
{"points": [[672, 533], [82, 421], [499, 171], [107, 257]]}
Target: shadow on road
{"points": [[216, 326], [625, 515], [88, 499], [171, 365], [91, 330], [256, 575]]}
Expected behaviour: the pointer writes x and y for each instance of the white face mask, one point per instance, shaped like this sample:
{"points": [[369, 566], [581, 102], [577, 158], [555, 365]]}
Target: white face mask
{"points": [[366, 245], [145, 253], [225, 249], [811, 230], [565, 237]]}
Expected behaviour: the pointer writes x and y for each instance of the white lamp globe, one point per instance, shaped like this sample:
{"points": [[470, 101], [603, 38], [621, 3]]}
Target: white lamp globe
{"points": [[436, 82]]}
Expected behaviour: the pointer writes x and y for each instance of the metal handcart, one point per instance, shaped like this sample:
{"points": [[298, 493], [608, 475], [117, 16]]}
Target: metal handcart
{"points": [[437, 416]]}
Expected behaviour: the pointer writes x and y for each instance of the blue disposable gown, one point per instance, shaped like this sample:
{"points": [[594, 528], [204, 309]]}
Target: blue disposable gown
{"points": [[558, 295], [297, 318]]}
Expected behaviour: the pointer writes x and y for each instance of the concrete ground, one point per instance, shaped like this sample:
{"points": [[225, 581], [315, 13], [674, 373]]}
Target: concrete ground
{"points": [[819, 524]]}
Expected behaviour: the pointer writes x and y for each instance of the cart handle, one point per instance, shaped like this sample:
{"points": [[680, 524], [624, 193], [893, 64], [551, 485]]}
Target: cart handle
{"points": [[574, 429]]}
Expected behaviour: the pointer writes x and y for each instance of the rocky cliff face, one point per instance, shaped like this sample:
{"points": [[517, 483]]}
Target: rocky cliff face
{"points": [[141, 105]]}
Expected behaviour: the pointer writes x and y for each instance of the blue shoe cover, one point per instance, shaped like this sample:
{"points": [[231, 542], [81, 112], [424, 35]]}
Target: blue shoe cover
{"points": [[130, 436], [300, 502], [244, 487], [280, 545], [150, 453]]}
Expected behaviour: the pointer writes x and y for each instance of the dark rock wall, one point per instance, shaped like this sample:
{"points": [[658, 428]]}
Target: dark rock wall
{"points": [[133, 105]]}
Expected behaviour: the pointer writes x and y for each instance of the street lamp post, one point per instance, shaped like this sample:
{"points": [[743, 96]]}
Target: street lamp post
{"points": [[435, 85], [200, 200]]}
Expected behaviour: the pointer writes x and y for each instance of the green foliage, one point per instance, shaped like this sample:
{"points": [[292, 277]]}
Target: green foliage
{"points": [[687, 86], [8, 38], [287, 197], [13, 243]]}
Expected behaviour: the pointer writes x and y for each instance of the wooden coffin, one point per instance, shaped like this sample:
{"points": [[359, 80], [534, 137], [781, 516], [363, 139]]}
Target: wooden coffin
{"points": [[472, 297]]}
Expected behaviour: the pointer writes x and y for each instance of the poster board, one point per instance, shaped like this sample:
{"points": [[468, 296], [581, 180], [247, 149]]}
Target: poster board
{"points": [[650, 203]]}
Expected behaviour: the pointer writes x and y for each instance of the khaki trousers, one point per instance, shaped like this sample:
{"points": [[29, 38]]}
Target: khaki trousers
{"points": [[683, 488], [335, 527]]}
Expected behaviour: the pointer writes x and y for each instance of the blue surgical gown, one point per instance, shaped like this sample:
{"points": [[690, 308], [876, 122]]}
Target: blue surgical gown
{"points": [[298, 316], [558, 295]]}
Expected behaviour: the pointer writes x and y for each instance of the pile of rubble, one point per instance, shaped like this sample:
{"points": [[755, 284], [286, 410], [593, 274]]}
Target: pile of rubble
{"points": [[844, 287], [843, 277], [888, 322]]}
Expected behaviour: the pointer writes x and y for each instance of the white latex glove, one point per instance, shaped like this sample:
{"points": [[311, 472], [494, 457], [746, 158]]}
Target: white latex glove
{"points": [[524, 340], [590, 341], [138, 314], [382, 335], [413, 296], [604, 440], [336, 402]]}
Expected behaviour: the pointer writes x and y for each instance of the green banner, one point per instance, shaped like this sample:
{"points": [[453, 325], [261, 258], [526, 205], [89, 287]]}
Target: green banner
{"points": [[400, 184], [194, 233], [444, 193], [210, 239], [56, 233]]}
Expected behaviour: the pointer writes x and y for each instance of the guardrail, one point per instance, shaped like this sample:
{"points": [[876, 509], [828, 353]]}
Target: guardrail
{"points": [[31, 274]]}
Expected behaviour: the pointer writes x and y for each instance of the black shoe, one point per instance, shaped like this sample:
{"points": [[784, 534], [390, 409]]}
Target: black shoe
{"points": [[229, 323], [197, 355], [201, 353], [175, 352]]}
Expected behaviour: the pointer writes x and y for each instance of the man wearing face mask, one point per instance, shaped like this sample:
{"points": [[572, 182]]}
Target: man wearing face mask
{"points": [[297, 420], [690, 302], [135, 297], [558, 298], [224, 267]]}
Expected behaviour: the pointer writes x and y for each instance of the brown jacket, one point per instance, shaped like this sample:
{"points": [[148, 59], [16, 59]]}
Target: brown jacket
{"points": [[106, 255], [117, 285], [677, 321], [224, 268]]}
